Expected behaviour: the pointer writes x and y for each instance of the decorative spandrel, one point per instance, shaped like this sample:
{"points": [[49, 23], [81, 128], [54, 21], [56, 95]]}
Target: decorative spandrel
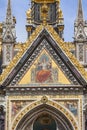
{"points": [[72, 106], [17, 106]]}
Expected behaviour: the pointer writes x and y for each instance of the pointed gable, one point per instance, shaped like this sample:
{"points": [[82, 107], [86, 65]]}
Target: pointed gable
{"points": [[44, 37], [44, 70], [80, 34]]}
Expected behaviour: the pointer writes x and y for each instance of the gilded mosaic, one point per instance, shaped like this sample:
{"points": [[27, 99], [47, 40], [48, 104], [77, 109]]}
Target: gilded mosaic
{"points": [[43, 71], [72, 106], [17, 106]]}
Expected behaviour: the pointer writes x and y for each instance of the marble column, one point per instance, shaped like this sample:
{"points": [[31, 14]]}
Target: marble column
{"points": [[2, 118]]}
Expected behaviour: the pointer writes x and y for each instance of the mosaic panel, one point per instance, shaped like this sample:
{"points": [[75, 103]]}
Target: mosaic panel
{"points": [[72, 106], [17, 106], [43, 71]]}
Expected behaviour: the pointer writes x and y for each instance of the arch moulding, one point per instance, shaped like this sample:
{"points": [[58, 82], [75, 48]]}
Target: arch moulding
{"points": [[50, 103]]}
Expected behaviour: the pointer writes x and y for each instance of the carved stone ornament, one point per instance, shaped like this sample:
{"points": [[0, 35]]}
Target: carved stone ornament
{"points": [[44, 99]]}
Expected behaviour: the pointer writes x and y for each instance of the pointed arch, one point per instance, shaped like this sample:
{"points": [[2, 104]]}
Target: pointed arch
{"points": [[31, 112]]}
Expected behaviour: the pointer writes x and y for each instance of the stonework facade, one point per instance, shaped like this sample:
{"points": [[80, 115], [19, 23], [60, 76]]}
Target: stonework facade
{"points": [[43, 83]]}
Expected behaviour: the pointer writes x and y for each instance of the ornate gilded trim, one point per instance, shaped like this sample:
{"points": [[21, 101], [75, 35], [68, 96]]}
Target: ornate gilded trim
{"points": [[46, 1], [62, 44], [28, 43], [55, 105], [20, 53], [58, 61]]}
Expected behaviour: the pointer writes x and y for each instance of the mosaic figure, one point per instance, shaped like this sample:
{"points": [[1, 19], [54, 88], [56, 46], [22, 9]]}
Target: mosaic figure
{"points": [[44, 72]]}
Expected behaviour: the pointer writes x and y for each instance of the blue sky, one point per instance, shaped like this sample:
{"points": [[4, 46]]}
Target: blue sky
{"points": [[19, 7]]}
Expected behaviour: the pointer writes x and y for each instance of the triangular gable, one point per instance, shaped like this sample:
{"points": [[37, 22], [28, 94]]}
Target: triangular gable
{"points": [[44, 71], [11, 37], [29, 61], [56, 47], [80, 33]]}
